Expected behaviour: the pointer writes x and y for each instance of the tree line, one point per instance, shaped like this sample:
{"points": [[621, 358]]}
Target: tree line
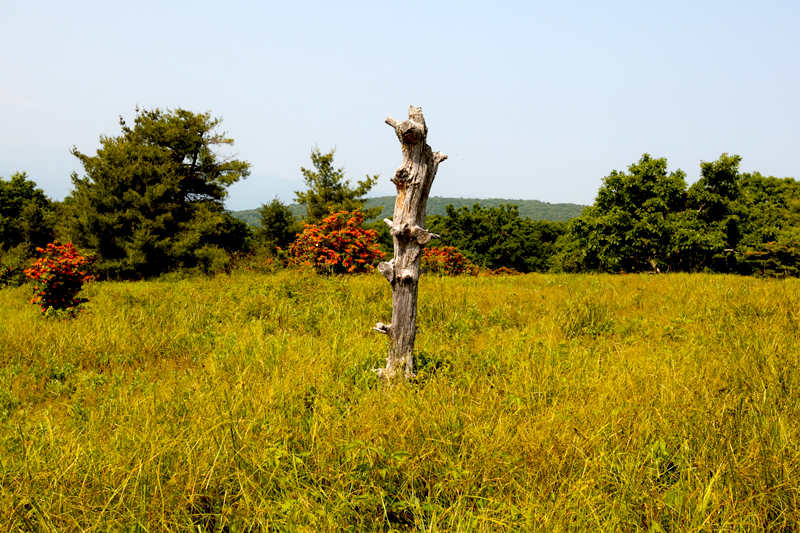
{"points": [[649, 220], [437, 205], [151, 200]]}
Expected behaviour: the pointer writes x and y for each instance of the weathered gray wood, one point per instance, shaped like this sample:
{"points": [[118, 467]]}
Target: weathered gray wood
{"points": [[413, 181]]}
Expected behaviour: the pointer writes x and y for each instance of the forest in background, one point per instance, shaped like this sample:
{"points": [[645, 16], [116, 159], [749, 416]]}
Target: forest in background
{"points": [[437, 205], [151, 201]]}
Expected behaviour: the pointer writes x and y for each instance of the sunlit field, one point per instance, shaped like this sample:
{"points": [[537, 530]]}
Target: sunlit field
{"points": [[248, 402]]}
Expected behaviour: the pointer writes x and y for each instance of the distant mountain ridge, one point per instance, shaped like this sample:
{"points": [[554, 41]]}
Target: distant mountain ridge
{"points": [[533, 209]]}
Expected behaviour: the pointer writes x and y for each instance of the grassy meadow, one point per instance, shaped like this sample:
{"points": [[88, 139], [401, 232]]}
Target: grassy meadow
{"points": [[247, 402]]}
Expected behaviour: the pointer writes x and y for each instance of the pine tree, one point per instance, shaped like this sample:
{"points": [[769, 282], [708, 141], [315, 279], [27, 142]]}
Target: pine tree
{"points": [[152, 198], [278, 225], [328, 191]]}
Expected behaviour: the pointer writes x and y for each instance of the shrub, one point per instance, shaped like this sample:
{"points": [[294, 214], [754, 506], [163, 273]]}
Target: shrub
{"points": [[279, 227], [12, 265], [447, 260], [59, 276], [773, 259], [505, 271], [337, 244]]}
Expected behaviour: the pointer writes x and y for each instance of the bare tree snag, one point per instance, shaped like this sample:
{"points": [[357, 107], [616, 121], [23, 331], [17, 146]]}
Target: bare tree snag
{"points": [[413, 181]]}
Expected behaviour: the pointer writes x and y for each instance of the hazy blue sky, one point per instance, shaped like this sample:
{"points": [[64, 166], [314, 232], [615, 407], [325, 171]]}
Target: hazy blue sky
{"points": [[531, 100]]}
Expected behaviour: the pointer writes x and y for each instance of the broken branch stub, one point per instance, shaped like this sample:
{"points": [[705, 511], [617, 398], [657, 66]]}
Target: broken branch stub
{"points": [[413, 180]]}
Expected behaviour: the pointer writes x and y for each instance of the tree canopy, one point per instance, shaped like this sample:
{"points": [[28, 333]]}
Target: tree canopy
{"points": [[278, 226], [26, 214], [497, 237], [151, 198], [630, 225], [768, 213], [27, 219], [328, 191], [648, 220]]}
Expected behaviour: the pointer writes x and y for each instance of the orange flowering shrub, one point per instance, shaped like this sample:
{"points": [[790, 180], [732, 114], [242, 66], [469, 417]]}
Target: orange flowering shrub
{"points": [[505, 271], [337, 244], [774, 259], [59, 276], [447, 260]]}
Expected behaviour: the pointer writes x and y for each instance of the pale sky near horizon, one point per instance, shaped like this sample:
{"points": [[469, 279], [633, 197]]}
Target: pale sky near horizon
{"points": [[530, 100]]}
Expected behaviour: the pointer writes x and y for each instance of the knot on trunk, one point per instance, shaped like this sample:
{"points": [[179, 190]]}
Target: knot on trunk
{"points": [[411, 132], [409, 232], [380, 327], [407, 274], [401, 176], [387, 270]]}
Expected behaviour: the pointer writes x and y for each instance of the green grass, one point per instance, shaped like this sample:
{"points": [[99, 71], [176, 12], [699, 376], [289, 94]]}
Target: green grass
{"points": [[543, 402]]}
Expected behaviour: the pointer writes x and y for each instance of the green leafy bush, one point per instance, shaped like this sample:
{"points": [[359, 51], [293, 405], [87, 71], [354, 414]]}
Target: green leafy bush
{"points": [[12, 265], [498, 237]]}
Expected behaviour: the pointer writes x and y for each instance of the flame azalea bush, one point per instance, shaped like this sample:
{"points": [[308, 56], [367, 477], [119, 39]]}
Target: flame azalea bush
{"points": [[447, 260], [337, 244], [59, 276], [774, 259], [505, 271]]}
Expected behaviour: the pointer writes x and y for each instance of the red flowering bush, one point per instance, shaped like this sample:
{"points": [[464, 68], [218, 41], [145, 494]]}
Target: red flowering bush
{"points": [[773, 259], [338, 244], [59, 276], [447, 260], [505, 271]]}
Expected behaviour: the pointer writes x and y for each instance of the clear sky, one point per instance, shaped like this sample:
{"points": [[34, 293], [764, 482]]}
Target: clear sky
{"points": [[531, 100]]}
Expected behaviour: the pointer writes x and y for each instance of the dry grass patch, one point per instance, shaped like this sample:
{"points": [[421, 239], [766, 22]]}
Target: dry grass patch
{"points": [[248, 403]]}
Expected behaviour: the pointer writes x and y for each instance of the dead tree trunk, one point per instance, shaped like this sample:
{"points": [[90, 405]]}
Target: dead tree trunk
{"points": [[413, 181]]}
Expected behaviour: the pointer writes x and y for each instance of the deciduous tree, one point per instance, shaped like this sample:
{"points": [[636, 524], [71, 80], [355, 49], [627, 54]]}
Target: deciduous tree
{"points": [[26, 214], [769, 211], [497, 237], [26, 222], [648, 220], [629, 227], [708, 231]]}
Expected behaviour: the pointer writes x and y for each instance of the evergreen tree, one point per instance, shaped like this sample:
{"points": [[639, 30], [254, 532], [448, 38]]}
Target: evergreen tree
{"points": [[328, 191], [152, 198], [278, 225]]}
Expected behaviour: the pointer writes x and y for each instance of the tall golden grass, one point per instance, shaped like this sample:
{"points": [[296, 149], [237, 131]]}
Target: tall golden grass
{"points": [[542, 402]]}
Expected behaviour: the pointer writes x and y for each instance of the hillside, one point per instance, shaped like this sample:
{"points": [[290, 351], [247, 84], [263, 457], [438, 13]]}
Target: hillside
{"points": [[533, 209]]}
